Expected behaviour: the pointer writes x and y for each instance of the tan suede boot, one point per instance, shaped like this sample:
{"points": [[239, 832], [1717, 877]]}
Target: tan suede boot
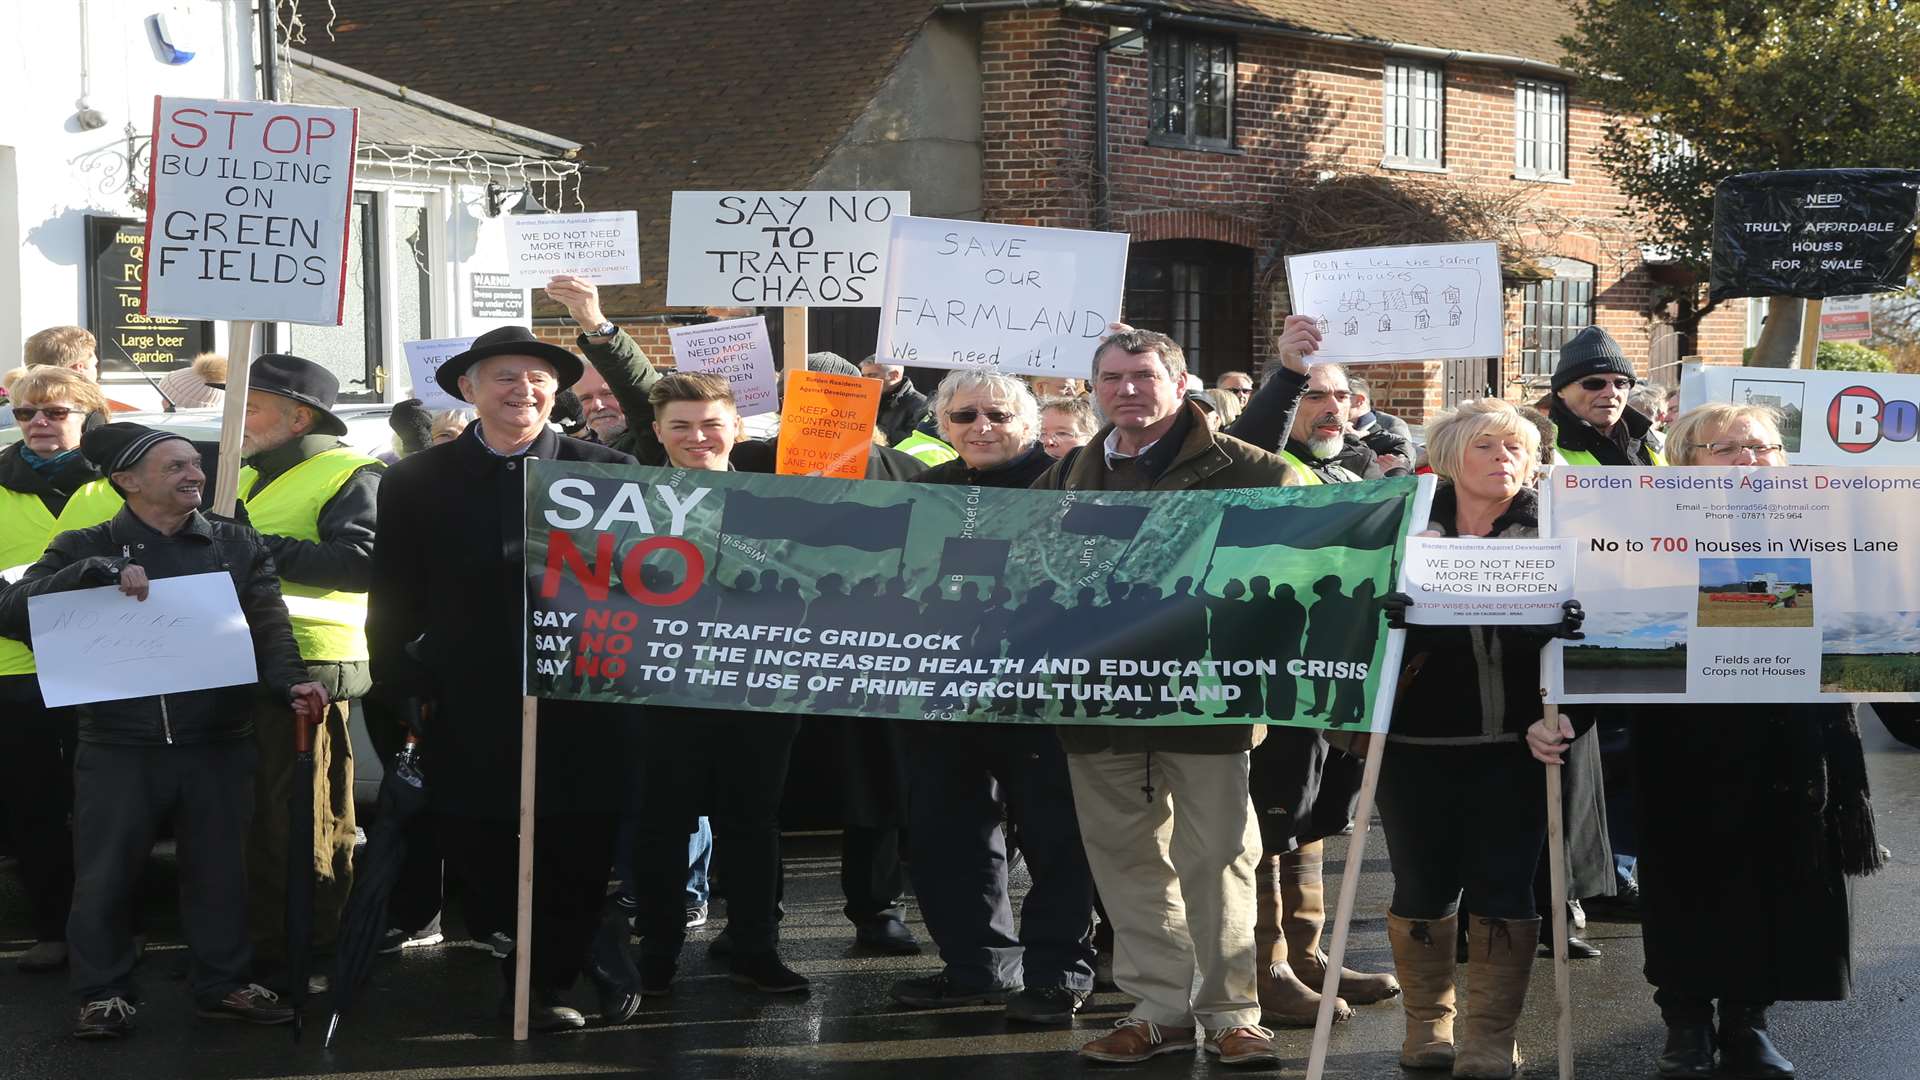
{"points": [[1423, 955], [1285, 1001], [1303, 903], [1496, 991]]}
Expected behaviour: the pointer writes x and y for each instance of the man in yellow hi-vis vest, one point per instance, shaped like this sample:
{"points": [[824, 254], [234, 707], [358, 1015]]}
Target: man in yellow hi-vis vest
{"points": [[312, 499], [1589, 406]]}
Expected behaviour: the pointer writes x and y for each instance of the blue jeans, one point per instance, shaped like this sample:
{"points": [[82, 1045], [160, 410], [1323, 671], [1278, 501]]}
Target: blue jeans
{"points": [[699, 859]]}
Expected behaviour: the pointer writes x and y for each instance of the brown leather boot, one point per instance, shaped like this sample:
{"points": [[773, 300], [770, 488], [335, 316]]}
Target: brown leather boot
{"points": [[1423, 954], [1303, 901], [1285, 1001], [1496, 992]]}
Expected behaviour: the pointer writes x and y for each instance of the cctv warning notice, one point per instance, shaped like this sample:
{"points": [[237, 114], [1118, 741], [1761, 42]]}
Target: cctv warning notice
{"points": [[726, 590]]}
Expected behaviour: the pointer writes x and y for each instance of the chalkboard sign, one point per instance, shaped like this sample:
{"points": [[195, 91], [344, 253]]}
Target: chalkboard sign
{"points": [[1813, 233], [116, 257]]}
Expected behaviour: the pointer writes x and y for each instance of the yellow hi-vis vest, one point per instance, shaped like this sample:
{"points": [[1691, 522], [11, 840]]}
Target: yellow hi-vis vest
{"points": [[929, 450], [1586, 457], [26, 528], [1306, 475], [328, 625]]}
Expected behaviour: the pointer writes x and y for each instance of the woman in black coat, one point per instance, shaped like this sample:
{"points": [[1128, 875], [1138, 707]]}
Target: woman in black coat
{"points": [[1752, 818]]}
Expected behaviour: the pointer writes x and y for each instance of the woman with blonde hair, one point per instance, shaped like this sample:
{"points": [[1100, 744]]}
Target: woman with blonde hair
{"points": [[1462, 803], [1752, 818], [46, 487]]}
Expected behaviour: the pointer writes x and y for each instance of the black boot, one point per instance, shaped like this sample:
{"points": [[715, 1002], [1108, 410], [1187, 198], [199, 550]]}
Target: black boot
{"points": [[1689, 1051], [1745, 1050]]}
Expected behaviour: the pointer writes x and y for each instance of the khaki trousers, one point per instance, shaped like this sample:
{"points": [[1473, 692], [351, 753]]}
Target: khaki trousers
{"points": [[1175, 868], [333, 829]]}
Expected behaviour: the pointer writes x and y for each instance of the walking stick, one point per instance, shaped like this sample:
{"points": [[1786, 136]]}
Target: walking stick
{"points": [[1557, 876], [523, 919]]}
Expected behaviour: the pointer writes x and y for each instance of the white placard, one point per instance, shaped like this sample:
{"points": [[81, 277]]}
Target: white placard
{"points": [[1471, 581], [102, 645], [248, 210], [1419, 302], [601, 248], [1014, 297], [738, 351], [1730, 583], [1827, 417], [424, 359], [780, 248]]}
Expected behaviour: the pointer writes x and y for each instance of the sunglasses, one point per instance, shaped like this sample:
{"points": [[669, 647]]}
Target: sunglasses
{"points": [[1598, 383], [55, 413], [968, 416], [1240, 391]]}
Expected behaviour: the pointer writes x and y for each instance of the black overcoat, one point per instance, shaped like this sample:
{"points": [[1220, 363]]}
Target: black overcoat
{"points": [[447, 564]]}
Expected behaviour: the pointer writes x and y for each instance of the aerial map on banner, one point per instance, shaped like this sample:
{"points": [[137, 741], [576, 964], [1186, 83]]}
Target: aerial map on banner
{"points": [[1740, 584], [1826, 417], [729, 590]]}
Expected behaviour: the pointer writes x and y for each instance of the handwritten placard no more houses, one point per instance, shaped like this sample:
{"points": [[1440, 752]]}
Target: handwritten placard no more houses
{"points": [[1417, 302]]}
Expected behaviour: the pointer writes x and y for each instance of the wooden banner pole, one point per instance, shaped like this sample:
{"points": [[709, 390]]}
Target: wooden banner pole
{"points": [[1557, 876], [523, 916], [1810, 335], [1343, 908], [233, 416], [793, 339]]}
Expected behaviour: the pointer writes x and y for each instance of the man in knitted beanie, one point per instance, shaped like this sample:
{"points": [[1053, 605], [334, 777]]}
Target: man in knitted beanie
{"points": [[1590, 390]]}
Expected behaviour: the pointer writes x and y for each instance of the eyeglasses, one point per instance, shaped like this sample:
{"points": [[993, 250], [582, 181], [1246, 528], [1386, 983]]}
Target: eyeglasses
{"points": [[1240, 391], [55, 413], [968, 416], [1728, 449], [1600, 382]]}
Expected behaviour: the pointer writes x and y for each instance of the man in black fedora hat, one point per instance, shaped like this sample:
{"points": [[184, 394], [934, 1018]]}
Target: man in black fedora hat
{"points": [[313, 500], [443, 624]]}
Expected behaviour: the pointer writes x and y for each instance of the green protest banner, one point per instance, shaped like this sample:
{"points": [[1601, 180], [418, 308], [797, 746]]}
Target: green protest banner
{"points": [[682, 589]]}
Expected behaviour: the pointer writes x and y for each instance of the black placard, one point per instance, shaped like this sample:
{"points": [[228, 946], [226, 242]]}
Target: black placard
{"points": [[116, 257], [1813, 233]]}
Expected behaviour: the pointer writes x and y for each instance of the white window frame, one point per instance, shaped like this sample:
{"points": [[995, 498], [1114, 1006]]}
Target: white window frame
{"points": [[1539, 129], [1413, 102]]}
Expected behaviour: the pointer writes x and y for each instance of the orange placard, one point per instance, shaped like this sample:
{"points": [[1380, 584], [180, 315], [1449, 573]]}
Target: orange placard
{"points": [[826, 425]]}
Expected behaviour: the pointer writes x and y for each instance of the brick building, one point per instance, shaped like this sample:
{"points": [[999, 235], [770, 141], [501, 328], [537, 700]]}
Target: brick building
{"points": [[1221, 134]]}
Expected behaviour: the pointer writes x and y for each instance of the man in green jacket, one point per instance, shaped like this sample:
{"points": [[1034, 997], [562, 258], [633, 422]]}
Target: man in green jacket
{"points": [[1151, 874]]}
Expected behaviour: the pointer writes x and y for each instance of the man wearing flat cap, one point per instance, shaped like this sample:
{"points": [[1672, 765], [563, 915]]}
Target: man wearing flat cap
{"points": [[312, 499], [186, 757], [1590, 389], [444, 624]]}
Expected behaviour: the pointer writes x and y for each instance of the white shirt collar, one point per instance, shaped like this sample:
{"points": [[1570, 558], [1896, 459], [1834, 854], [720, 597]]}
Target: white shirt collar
{"points": [[1114, 453]]}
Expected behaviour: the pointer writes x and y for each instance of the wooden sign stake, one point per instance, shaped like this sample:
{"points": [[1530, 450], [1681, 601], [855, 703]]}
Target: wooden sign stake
{"points": [[1810, 335], [233, 416], [1343, 908], [1557, 876], [793, 339], [523, 916]]}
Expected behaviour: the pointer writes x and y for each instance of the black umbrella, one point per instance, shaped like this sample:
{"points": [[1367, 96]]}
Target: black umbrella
{"points": [[300, 869], [403, 793]]}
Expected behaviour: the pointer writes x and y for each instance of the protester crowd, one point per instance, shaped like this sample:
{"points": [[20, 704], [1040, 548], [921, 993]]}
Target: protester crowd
{"points": [[1181, 864]]}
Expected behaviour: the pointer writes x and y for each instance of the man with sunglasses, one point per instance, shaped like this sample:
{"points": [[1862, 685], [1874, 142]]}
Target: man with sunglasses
{"points": [[1590, 391]]}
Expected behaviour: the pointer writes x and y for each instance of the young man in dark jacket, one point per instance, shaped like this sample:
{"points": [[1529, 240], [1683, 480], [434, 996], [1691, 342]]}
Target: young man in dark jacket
{"points": [[188, 757]]}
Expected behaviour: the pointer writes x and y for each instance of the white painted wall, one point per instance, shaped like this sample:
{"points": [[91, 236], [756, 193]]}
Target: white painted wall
{"points": [[46, 189]]}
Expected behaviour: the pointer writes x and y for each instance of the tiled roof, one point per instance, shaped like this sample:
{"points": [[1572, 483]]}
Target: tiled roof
{"points": [[665, 94], [1526, 29], [395, 117]]}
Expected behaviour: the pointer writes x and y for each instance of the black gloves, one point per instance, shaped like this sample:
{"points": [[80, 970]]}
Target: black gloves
{"points": [[1395, 604]]}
